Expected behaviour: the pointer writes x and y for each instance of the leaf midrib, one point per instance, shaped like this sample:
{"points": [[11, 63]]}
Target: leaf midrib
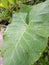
{"points": [[16, 45]]}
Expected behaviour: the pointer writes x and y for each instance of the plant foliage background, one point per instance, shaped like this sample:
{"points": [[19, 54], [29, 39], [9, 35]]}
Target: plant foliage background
{"points": [[25, 39]]}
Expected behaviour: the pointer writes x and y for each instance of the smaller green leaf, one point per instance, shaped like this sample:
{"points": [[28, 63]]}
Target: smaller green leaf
{"points": [[23, 1], [1, 5], [12, 1], [26, 9], [4, 3]]}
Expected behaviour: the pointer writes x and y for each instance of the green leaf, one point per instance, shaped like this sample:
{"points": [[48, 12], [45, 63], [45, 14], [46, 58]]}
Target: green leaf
{"points": [[12, 1], [39, 19], [23, 44], [1, 5], [23, 1], [4, 3], [26, 9]]}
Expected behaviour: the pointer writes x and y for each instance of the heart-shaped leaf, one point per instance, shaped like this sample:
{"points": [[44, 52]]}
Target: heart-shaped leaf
{"points": [[23, 44]]}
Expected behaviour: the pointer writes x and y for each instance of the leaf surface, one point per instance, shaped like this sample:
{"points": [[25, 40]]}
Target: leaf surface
{"points": [[23, 44], [4, 3], [12, 1], [39, 19]]}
